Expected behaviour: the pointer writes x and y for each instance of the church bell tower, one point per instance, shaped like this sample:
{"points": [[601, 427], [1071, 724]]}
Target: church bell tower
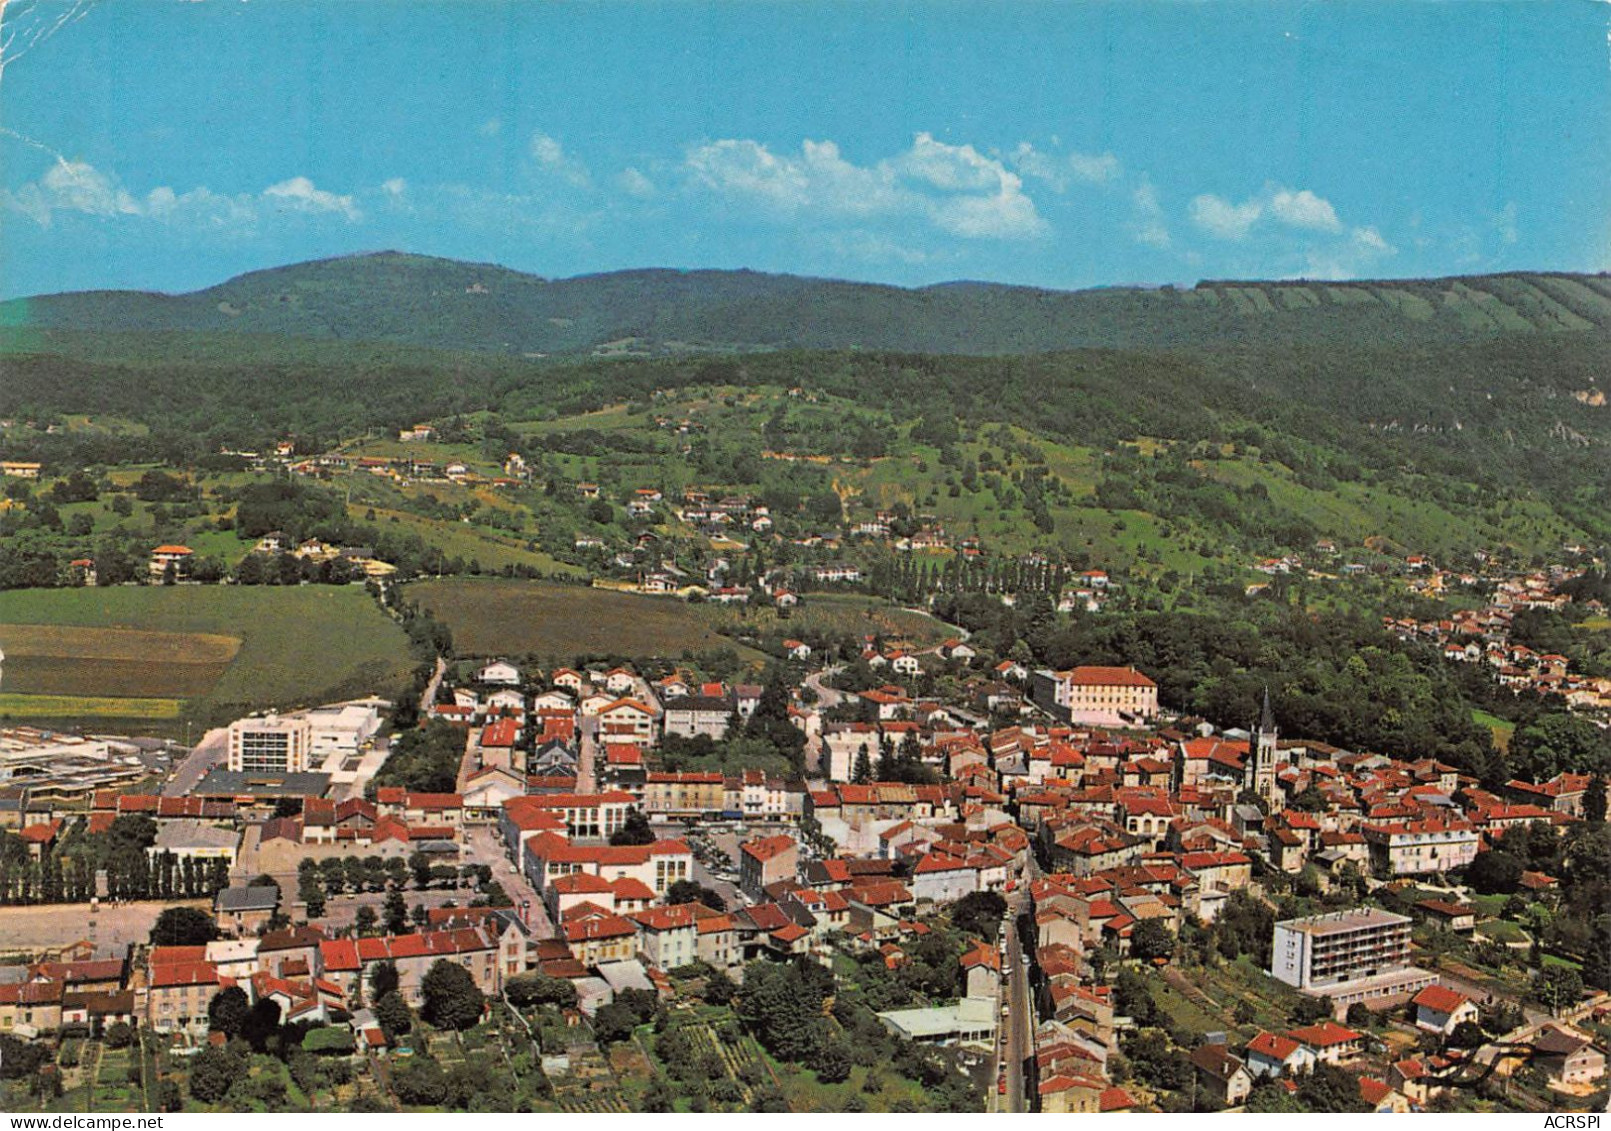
{"points": [[1265, 757]]}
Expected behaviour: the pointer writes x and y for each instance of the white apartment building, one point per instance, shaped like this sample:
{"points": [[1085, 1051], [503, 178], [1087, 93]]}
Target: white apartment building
{"points": [[270, 744]]}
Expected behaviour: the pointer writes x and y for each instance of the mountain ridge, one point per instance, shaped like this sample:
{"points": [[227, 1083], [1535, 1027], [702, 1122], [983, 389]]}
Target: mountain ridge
{"points": [[431, 301]]}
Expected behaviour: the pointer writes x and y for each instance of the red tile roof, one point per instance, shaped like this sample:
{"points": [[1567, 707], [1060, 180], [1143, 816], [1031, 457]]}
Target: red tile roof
{"points": [[1440, 999]]}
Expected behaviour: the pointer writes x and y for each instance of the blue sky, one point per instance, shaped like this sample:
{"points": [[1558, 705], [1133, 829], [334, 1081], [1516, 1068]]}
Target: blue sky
{"points": [[166, 145]]}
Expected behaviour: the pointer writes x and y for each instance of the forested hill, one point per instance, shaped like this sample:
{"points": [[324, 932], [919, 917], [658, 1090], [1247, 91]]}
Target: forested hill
{"points": [[443, 304]]}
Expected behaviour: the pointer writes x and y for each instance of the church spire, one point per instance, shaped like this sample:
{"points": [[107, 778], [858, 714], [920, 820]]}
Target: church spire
{"points": [[1267, 718]]}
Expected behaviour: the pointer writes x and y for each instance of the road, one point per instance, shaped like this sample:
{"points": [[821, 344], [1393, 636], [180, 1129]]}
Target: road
{"points": [[587, 763], [485, 847], [826, 696], [1017, 1039], [428, 696], [212, 750]]}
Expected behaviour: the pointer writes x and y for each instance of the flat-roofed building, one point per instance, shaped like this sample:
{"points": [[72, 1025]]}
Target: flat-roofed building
{"points": [[1347, 956], [270, 744]]}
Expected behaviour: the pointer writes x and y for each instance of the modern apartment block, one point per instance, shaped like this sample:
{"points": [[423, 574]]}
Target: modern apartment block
{"points": [[270, 744], [1347, 956]]}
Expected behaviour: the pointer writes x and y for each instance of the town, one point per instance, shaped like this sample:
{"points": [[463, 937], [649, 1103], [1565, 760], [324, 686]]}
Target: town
{"points": [[873, 873]]}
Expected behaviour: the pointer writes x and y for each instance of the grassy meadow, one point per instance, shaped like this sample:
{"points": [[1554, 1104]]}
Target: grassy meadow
{"points": [[130, 653], [492, 617]]}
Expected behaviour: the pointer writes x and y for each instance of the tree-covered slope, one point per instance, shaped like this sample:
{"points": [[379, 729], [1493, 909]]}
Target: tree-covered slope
{"points": [[439, 303]]}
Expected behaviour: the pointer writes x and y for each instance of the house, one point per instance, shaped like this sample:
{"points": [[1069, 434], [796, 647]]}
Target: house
{"points": [[692, 715], [180, 983], [1460, 917], [668, 937], [499, 672], [1567, 1057], [626, 720], [1097, 696], [1221, 1074], [595, 935], [30, 1008], [1330, 1042], [1382, 1098], [766, 860], [195, 839], [904, 663], [982, 967], [1070, 1093], [797, 649], [1438, 1009], [178, 557], [688, 793], [245, 910], [1270, 1054], [942, 878]]}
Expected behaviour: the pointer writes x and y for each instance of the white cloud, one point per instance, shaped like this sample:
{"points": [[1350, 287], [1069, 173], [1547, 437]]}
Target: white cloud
{"points": [[1031, 162], [76, 187], [954, 188], [1008, 214], [956, 168], [1295, 225], [200, 207], [1148, 226], [1222, 219], [299, 194], [1095, 168], [1349, 258], [394, 187], [634, 183], [1091, 168], [1303, 209], [1505, 223], [72, 186], [551, 157]]}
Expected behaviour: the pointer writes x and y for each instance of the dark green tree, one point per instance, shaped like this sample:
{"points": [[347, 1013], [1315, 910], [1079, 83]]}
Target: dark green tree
{"points": [[227, 1011], [452, 999], [394, 1015], [183, 926]]}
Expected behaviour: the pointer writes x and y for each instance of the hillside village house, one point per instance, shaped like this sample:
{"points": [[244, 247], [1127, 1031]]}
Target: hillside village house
{"points": [[626, 720], [1438, 1009], [500, 673], [165, 556]]}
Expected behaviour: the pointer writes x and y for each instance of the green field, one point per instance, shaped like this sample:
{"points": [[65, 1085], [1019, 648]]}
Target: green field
{"points": [[492, 617], [1501, 729], [51, 659], [836, 615], [220, 649], [86, 707]]}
